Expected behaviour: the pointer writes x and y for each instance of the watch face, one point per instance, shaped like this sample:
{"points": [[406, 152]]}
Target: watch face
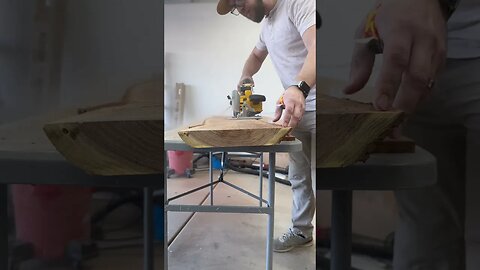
{"points": [[304, 86]]}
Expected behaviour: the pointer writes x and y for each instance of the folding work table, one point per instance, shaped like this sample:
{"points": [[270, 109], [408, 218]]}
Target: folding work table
{"points": [[379, 172], [27, 157], [174, 143]]}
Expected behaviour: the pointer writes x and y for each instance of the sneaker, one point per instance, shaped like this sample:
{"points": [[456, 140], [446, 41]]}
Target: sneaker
{"points": [[290, 240]]}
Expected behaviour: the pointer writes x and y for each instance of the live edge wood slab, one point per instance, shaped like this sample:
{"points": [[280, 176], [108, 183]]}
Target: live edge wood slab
{"points": [[224, 131], [128, 138], [348, 131], [116, 140], [124, 137]]}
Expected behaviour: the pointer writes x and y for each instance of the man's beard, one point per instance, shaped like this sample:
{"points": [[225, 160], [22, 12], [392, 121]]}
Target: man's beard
{"points": [[259, 12]]}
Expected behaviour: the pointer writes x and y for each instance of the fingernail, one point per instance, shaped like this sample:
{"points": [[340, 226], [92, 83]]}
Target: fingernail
{"points": [[383, 102]]}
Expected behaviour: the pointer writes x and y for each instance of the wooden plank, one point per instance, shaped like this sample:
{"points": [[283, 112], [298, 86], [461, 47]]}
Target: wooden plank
{"points": [[225, 131], [116, 140], [346, 130], [47, 50]]}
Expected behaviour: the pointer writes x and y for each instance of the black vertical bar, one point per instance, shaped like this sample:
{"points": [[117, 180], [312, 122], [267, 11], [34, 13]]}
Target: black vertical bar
{"points": [[341, 229], [148, 228], [271, 205]]}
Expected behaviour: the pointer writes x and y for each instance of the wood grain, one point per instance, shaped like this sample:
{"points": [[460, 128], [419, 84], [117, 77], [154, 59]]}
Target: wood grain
{"points": [[123, 137], [225, 131], [346, 130], [116, 140]]}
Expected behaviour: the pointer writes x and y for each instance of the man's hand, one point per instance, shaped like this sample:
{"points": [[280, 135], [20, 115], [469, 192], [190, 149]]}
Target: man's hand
{"points": [[414, 38], [245, 79], [294, 107]]}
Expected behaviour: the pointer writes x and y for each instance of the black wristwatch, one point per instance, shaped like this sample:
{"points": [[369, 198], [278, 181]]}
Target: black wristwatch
{"points": [[449, 6], [304, 87]]}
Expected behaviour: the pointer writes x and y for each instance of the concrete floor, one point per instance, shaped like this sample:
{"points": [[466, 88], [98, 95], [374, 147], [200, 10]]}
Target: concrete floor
{"points": [[232, 241], [210, 241]]}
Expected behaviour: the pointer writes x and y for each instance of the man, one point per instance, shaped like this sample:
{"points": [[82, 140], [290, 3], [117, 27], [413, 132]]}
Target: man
{"points": [[288, 36], [439, 226]]}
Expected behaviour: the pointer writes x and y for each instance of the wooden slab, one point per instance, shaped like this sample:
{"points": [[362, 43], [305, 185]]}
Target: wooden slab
{"points": [[225, 131], [118, 140], [347, 129]]}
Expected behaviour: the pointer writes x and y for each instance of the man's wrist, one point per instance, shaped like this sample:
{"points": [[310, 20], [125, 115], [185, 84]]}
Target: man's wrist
{"points": [[246, 79], [303, 87]]}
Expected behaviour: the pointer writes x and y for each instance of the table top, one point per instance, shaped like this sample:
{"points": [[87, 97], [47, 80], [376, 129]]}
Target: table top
{"points": [[173, 142], [28, 157], [382, 172]]}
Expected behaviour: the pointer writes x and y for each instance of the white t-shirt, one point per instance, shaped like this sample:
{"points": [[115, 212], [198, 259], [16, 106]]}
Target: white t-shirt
{"points": [[281, 36], [464, 30]]}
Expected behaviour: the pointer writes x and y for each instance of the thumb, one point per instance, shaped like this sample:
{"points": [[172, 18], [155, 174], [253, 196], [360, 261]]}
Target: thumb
{"points": [[278, 113]]}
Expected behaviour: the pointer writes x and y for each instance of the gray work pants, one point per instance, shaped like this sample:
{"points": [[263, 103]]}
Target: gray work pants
{"points": [[300, 176], [439, 226]]}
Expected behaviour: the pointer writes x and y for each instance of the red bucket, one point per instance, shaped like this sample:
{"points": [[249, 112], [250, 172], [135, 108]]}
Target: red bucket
{"points": [[180, 161], [49, 217]]}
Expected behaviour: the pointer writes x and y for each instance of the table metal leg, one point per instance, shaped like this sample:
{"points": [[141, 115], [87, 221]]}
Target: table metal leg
{"points": [[210, 172], [261, 178], [271, 203], [341, 230], [148, 260], [3, 226]]}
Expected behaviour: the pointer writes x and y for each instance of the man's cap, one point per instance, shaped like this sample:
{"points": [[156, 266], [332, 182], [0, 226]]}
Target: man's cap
{"points": [[224, 7]]}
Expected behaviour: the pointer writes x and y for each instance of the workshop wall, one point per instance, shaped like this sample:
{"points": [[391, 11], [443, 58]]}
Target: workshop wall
{"points": [[109, 46], [15, 33], [207, 51]]}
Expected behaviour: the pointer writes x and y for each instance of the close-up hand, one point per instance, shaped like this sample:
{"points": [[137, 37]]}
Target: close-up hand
{"points": [[294, 107], [414, 50]]}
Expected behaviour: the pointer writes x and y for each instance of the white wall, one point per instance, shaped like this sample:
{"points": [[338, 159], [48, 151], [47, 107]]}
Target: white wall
{"points": [[109, 45], [15, 59], [207, 51]]}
